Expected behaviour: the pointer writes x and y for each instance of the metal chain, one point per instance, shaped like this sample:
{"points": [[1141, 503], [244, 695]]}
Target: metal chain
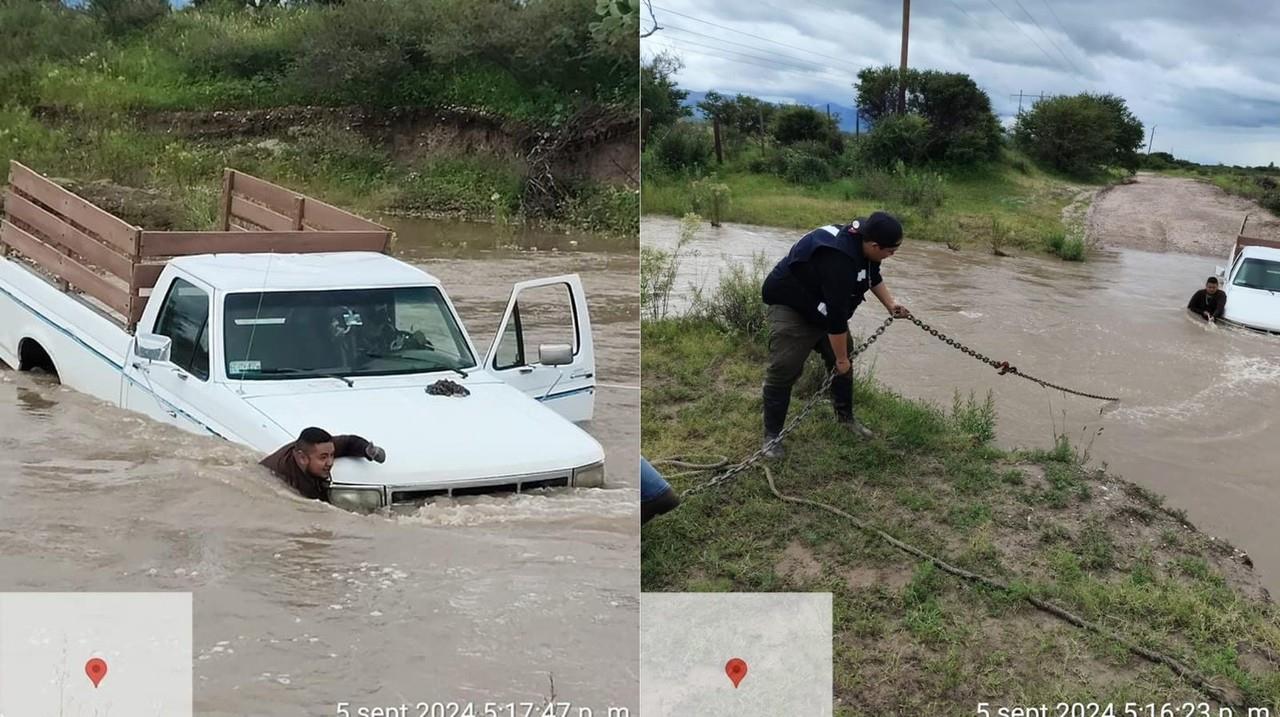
{"points": [[1003, 366], [795, 420]]}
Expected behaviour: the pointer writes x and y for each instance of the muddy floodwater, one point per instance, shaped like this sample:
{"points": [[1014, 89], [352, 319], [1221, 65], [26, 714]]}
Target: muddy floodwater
{"points": [[1201, 405], [299, 606]]}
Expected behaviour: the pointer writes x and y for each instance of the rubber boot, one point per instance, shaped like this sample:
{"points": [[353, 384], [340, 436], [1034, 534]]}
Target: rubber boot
{"points": [[776, 401]]}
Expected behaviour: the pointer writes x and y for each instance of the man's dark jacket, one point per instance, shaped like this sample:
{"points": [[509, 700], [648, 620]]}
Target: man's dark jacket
{"points": [[1201, 302], [824, 277], [283, 464]]}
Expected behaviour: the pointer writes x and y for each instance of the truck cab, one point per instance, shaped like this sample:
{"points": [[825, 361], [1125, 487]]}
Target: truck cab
{"points": [[256, 347]]}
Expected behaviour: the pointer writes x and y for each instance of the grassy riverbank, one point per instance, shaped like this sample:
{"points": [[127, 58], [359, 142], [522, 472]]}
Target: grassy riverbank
{"points": [[1001, 206], [81, 82], [909, 638]]}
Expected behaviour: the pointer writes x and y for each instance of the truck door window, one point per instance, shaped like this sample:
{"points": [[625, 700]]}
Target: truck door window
{"points": [[542, 315], [184, 318], [510, 351]]}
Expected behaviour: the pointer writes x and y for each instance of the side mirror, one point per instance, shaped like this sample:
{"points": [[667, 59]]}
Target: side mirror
{"points": [[1220, 271], [153, 347], [555, 354]]}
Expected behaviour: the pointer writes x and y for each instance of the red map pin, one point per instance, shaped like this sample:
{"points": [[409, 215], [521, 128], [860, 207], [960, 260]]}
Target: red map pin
{"points": [[736, 669], [96, 669]]}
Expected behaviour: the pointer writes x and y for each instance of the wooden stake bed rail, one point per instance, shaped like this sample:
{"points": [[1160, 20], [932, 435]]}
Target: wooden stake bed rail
{"points": [[91, 251]]}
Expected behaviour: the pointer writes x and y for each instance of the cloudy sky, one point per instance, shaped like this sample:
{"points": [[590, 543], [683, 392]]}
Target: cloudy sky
{"points": [[1205, 73]]}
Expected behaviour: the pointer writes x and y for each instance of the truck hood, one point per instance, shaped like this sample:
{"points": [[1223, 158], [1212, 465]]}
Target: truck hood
{"points": [[1255, 308], [437, 441]]}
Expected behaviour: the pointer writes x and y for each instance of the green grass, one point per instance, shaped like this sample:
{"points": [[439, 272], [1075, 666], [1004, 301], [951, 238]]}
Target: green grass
{"points": [[1026, 202], [911, 639], [336, 165]]}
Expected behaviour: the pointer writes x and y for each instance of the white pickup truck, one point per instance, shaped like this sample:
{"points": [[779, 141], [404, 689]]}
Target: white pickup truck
{"points": [[252, 346], [1251, 282]]}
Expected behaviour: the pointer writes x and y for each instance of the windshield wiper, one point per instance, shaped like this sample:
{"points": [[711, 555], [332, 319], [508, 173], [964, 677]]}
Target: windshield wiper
{"points": [[292, 370], [434, 365]]}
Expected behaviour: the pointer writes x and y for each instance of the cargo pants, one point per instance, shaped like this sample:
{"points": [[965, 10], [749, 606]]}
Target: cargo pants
{"points": [[791, 338]]}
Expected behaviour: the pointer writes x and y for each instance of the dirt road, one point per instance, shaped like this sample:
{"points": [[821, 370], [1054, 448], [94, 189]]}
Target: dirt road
{"points": [[1174, 214]]}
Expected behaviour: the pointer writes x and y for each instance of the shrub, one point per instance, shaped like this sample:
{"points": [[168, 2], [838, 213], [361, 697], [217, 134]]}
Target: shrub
{"points": [[961, 127], [1080, 135], [803, 168], [658, 269], [32, 33], [604, 208], [1068, 248], [121, 17], [796, 124], [923, 189], [685, 148], [897, 138], [735, 304], [710, 198]]}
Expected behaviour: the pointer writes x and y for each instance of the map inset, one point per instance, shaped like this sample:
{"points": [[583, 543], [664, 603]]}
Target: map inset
{"points": [[694, 646], [95, 654]]}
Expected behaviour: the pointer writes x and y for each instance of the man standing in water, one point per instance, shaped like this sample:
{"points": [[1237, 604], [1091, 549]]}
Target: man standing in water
{"points": [[812, 293], [307, 462], [1208, 302]]}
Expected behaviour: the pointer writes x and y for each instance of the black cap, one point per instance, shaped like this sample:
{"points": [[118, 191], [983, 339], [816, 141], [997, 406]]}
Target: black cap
{"points": [[880, 228]]}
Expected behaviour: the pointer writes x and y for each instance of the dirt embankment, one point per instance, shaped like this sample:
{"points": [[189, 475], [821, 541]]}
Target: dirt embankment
{"points": [[603, 145], [1174, 214]]}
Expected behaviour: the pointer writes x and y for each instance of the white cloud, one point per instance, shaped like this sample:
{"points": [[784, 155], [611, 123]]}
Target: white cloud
{"points": [[1201, 72]]}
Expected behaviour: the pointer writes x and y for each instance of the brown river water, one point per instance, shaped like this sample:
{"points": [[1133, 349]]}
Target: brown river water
{"points": [[299, 606], [1200, 405]]}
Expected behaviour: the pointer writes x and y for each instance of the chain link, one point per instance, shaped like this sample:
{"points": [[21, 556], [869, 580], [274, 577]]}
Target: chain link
{"points": [[795, 420], [1002, 366]]}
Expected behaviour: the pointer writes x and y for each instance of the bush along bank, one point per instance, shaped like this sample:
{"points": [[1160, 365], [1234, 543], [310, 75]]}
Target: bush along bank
{"points": [[911, 638], [177, 178], [102, 73], [944, 166]]}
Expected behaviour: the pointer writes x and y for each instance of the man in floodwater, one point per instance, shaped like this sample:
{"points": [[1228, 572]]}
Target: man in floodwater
{"points": [[306, 463], [812, 293], [1209, 302]]}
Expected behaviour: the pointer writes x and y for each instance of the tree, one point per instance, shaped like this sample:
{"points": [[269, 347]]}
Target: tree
{"points": [[1081, 134], [962, 128], [804, 124], [658, 92]]}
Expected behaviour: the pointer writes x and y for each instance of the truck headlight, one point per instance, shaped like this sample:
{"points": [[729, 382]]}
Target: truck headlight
{"points": [[591, 476], [360, 500]]}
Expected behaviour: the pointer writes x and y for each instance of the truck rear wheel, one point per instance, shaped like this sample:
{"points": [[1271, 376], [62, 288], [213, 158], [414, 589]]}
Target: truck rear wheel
{"points": [[33, 357]]}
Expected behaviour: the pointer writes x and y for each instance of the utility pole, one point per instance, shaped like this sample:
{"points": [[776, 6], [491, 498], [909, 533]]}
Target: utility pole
{"points": [[1019, 101], [715, 126], [902, 70], [1153, 138]]}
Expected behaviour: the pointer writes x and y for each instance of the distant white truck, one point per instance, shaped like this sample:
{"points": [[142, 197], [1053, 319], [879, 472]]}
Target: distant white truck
{"points": [[1251, 282], [294, 316]]}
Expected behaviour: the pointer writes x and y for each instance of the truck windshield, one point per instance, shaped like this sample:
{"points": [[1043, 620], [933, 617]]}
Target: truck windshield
{"points": [[1259, 274], [348, 333]]}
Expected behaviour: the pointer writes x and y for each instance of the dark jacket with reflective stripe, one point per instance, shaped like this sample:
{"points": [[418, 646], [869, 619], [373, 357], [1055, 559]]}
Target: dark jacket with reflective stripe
{"points": [[283, 464], [824, 277]]}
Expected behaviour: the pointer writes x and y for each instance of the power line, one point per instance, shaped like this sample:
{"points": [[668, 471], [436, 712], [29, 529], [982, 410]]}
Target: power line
{"points": [[813, 67], [743, 44], [725, 27], [768, 64], [1025, 34], [1056, 19], [1046, 36]]}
